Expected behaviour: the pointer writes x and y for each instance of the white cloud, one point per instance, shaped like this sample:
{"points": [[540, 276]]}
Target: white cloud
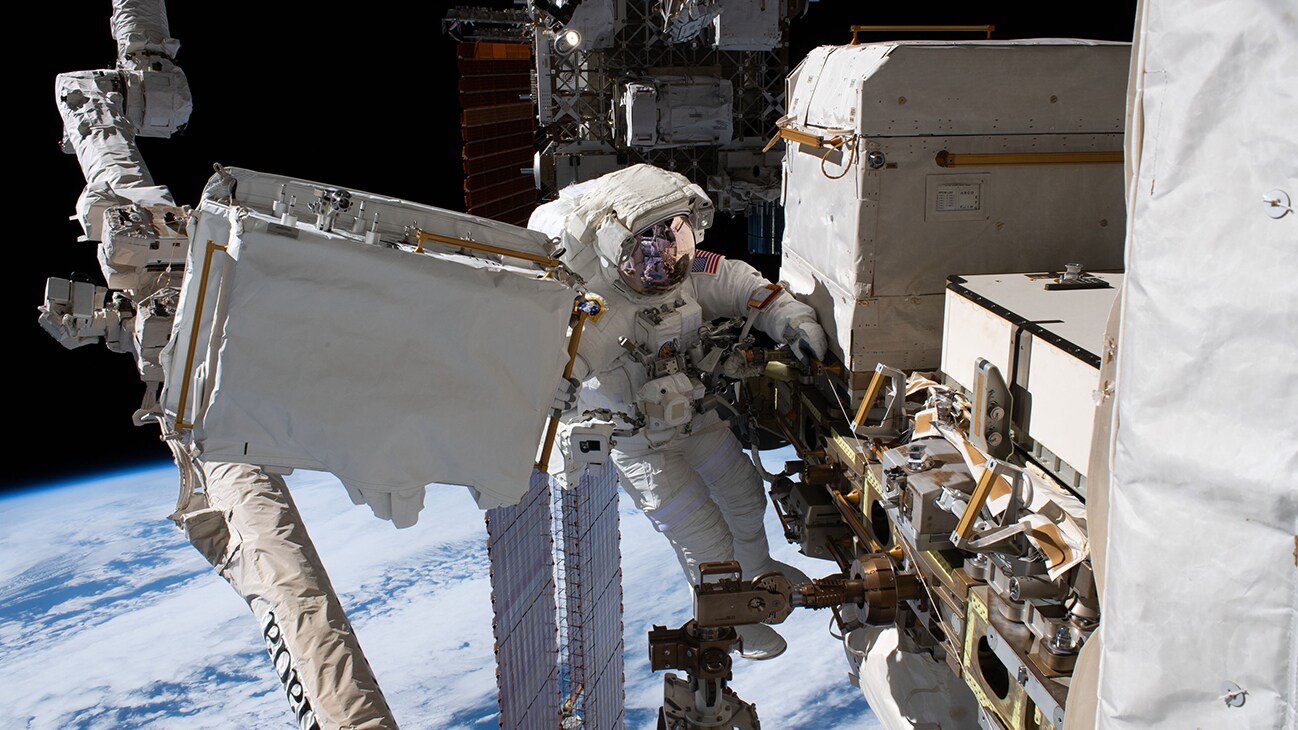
{"points": [[109, 619]]}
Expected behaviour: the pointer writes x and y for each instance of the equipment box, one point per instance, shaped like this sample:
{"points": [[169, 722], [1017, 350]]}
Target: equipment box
{"points": [[910, 162], [1047, 344]]}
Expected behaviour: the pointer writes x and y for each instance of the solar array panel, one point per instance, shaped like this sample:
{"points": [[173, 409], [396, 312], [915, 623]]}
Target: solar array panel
{"points": [[521, 553], [592, 574], [498, 127]]}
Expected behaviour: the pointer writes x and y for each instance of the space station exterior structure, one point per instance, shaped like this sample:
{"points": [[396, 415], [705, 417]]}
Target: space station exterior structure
{"points": [[908, 162], [693, 86], [231, 372], [1012, 449], [1050, 493]]}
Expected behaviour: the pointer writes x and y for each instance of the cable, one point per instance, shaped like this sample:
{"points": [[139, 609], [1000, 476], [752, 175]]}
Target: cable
{"points": [[851, 143], [843, 409]]}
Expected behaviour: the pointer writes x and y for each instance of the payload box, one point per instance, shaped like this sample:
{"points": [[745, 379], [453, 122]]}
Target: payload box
{"points": [[910, 162]]}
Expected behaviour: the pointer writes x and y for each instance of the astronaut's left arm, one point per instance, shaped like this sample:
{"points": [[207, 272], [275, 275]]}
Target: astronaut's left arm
{"points": [[725, 287]]}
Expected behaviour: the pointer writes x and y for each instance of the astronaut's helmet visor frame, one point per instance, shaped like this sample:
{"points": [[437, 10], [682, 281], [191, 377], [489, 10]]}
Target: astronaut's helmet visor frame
{"points": [[660, 256]]}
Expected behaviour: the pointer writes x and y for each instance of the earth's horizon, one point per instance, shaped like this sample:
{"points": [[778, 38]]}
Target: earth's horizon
{"points": [[109, 619]]}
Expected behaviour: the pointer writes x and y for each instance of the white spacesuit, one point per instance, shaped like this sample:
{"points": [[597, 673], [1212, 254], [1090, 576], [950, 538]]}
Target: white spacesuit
{"points": [[631, 236]]}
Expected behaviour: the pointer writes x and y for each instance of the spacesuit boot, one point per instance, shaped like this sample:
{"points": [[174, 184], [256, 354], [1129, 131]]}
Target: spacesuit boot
{"points": [[794, 575], [760, 642]]}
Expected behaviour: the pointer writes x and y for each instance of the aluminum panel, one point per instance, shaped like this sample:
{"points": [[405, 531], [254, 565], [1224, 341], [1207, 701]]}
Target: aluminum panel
{"points": [[593, 592], [520, 550]]}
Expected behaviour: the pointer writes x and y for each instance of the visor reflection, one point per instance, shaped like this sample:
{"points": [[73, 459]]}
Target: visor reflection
{"points": [[660, 256]]}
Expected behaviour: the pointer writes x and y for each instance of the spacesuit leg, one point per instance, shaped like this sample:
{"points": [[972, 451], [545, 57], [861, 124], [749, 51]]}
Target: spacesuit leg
{"points": [[248, 528], [676, 501], [733, 482]]}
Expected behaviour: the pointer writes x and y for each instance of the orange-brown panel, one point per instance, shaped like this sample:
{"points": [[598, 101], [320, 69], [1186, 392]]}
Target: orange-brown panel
{"points": [[482, 196], [494, 98], [495, 146], [496, 114], [502, 51], [486, 132], [492, 177], [504, 205], [492, 67], [497, 82], [516, 158]]}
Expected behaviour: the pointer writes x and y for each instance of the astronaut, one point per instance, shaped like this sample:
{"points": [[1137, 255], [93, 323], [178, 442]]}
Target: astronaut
{"points": [[631, 236]]}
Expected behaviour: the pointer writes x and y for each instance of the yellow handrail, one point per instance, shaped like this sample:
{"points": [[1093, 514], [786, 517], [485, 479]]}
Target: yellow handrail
{"points": [[422, 235], [212, 248], [574, 341], [947, 159]]}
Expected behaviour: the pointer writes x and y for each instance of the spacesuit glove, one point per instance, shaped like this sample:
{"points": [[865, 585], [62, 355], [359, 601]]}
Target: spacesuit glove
{"points": [[565, 396], [808, 338]]}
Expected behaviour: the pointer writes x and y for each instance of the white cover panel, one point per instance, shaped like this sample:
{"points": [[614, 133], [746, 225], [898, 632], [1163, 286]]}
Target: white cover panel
{"points": [[939, 87], [907, 690], [1062, 402], [870, 247], [748, 25], [1201, 586], [593, 597], [210, 224], [141, 26], [389, 369], [523, 600], [597, 21]]}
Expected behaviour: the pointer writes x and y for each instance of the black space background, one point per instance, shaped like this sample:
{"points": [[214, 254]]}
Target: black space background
{"points": [[362, 96]]}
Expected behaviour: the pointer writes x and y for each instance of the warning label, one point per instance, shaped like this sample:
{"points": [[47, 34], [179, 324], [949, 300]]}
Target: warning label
{"points": [[953, 197]]}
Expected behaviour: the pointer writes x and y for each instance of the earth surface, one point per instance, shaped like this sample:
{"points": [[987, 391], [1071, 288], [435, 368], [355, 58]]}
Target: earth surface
{"points": [[109, 619]]}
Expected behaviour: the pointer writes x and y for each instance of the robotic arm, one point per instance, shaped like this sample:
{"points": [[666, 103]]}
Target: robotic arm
{"points": [[723, 601]]}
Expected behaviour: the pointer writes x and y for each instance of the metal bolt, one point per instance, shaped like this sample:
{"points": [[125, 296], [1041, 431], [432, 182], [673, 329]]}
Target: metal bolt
{"points": [[1232, 694], [1063, 638], [1277, 203], [1022, 675], [917, 457], [875, 160]]}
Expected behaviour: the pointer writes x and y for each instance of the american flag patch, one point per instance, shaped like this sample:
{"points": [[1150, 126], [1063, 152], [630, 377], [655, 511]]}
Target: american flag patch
{"points": [[706, 262]]}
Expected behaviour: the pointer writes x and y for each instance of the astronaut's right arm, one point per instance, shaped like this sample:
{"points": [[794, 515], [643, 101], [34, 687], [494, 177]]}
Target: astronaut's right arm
{"points": [[732, 286]]}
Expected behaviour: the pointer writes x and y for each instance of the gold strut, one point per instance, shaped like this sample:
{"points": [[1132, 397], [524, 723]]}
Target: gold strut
{"points": [[871, 394], [212, 248], [552, 428], [804, 138], [422, 235], [976, 501], [946, 159]]}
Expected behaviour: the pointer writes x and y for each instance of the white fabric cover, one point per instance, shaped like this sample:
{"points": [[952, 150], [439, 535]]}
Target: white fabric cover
{"points": [[141, 26], [387, 368], [96, 128], [248, 528], [103, 111], [1200, 583], [904, 688]]}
